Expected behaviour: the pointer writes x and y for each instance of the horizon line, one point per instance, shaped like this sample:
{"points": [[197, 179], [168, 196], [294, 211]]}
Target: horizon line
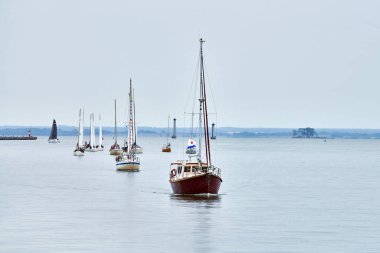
{"points": [[236, 127]]}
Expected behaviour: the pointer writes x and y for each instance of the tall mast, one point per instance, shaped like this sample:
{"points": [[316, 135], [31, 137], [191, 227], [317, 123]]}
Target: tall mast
{"points": [[115, 125], [100, 132], [134, 118], [91, 132], [82, 127], [130, 123], [200, 102], [203, 101], [79, 132]]}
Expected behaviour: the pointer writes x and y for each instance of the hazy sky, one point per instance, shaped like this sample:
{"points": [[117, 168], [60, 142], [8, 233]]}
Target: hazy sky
{"points": [[271, 63]]}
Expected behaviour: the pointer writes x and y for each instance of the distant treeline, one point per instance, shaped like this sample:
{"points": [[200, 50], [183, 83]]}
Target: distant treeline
{"points": [[307, 132], [222, 132]]}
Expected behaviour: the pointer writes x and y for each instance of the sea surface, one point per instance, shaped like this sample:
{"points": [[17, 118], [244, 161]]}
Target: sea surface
{"points": [[277, 195]]}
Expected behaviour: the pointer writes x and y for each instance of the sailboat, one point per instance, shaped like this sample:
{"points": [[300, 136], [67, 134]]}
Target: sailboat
{"points": [[91, 147], [166, 147], [100, 147], [115, 148], [128, 161], [136, 149], [79, 148], [197, 176], [53, 133]]}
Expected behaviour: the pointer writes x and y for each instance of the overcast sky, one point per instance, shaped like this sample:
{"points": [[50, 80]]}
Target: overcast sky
{"points": [[270, 63]]}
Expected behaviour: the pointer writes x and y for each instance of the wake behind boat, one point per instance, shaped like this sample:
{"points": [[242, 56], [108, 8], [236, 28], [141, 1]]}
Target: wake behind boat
{"points": [[197, 177]]}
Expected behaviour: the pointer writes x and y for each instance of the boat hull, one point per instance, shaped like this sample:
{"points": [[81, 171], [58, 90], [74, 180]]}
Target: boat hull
{"points": [[53, 141], [116, 151], [201, 184], [78, 153], [137, 150], [166, 149], [127, 166]]}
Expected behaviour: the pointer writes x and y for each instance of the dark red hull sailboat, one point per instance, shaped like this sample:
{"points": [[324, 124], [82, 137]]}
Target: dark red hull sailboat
{"points": [[187, 178], [197, 177]]}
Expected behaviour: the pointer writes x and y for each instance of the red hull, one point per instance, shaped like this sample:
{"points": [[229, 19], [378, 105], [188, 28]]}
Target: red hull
{"points": [[202, 184]]}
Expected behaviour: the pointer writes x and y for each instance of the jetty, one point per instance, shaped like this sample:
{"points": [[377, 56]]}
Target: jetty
{"points": [[18, 138]]}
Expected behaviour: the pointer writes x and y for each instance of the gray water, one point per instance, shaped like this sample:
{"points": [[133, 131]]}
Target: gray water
{"points": [[278, 195]]}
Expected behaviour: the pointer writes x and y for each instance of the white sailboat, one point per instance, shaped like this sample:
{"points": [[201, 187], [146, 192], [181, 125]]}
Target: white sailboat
{"points": [[79, 149], [100, 147], [91, 147], [128, 161], [136, 149], [115, 148]]}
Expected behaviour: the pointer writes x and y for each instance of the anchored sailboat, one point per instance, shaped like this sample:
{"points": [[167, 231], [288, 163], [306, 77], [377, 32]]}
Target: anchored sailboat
{"points": [[53, 133], [79, 149], [128, 161], [136, 149], [115, 148], [198, 176], [167, 147], [91, 147], [100, 147]]}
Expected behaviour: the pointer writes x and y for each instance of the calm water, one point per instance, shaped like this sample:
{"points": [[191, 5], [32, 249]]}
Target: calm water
{"points": [[278, 195]]}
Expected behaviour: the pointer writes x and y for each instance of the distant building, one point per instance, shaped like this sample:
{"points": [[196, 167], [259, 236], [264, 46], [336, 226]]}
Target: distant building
{"points": [[307, 132]]}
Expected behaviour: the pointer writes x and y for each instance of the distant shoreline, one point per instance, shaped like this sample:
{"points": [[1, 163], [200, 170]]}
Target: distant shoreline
{"points": [[233, 132]]}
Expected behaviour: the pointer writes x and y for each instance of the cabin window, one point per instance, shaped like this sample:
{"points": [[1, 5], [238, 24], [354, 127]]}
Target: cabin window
{"points": [[179, 169], [187, 168], [195, 169], [204, 169]]}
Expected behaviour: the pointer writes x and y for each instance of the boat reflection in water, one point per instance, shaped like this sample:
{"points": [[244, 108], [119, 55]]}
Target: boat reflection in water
{"points": [[201, 200]]}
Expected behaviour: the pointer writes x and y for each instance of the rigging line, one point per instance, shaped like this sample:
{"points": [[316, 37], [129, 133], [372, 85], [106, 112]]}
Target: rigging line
{"points": [[134, 116], [183, 138], [211, 90], [205, 109], [193, 86], [197, 113], [216, 140]]}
